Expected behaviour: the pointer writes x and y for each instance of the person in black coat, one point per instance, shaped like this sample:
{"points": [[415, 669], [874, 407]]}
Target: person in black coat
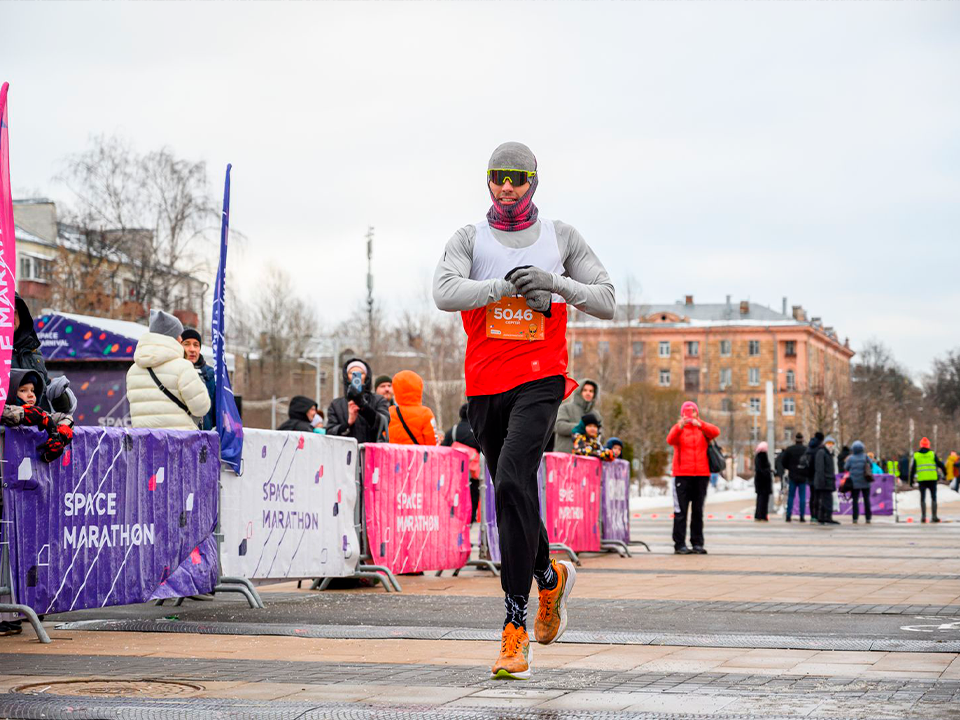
{"points": [[463, 433], [806, 468], [796, 480], [825, 480], [762, 483], [191, 341], [302, 412], [360, 413]]}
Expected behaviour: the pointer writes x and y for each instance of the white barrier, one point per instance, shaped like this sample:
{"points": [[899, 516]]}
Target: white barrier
{"points": [[290, 514]]}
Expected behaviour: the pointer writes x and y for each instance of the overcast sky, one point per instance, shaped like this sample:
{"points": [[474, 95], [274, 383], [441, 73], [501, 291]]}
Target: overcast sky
{"points": [[801, 149]]}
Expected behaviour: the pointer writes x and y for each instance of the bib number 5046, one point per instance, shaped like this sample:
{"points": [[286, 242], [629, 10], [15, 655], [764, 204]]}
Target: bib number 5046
{"points": [[508, 314]]}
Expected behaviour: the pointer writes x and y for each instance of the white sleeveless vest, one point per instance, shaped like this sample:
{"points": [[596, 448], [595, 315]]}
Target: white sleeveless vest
{"points": [[492, 260]]}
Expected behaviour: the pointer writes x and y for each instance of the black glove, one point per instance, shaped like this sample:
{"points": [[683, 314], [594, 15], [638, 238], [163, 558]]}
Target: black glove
{"points": [[354, 394]]}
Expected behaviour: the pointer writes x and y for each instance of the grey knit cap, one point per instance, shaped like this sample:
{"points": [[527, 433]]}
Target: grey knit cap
{"points": [[513, 156], [165, 324]]}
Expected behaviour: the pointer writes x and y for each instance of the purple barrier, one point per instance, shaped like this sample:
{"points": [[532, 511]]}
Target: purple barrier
{"points": [[881, 496], [488, 508], [615, 501], [125, 516], [488, 515]]}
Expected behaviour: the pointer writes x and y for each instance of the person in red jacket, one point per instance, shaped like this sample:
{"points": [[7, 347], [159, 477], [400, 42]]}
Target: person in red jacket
{"points": [[691, 474]]}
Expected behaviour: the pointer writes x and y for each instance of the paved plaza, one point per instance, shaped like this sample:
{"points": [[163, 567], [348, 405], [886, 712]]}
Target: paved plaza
{"points": [[778, 621]]}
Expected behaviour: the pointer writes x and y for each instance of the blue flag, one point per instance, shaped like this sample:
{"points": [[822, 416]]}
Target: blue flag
{"points": [[229, 424]]}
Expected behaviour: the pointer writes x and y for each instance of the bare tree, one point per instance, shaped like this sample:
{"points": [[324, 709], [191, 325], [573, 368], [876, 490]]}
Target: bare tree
{"points": [[144, 212]]}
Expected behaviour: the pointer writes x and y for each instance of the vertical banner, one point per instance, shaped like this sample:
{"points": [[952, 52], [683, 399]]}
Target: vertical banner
{"points": [[229, 425], [8, 252]]}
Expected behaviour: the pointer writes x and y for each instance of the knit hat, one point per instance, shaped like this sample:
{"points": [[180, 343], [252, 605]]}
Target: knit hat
{"points": [[191, 334], [818, 436], [164, 323], [799, 437], [357, 365], [614, 441], [829, 439], [591, 419], [512, 156], [925, 443], [381, 380], [762, 447]]}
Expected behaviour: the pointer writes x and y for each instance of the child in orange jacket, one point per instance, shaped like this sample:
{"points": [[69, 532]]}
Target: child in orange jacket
{"points": [[411, 422]]}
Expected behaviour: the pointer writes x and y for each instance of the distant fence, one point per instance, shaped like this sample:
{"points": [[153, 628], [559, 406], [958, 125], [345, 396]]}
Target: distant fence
{"points": [[291, 512], [416, 506], [123, 517]]}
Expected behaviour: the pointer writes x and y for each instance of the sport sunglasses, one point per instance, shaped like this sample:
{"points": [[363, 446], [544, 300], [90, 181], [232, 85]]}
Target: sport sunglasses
{"points": [[515, 177]]}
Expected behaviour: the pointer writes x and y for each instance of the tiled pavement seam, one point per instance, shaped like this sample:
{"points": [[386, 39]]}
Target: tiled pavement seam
{"points": [[461, 676], [732, 606], [771, 573], [375, 632]]}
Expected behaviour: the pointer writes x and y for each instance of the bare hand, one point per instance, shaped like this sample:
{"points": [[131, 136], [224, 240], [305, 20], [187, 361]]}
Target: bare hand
{"points": [[354, 410], [696, 423]]}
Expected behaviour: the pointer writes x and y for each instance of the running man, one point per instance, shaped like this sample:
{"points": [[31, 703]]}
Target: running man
{"points": [[511, 277]]}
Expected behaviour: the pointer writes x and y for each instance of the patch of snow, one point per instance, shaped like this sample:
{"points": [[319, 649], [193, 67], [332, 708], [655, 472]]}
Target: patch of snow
{"points": [[911, 500]]}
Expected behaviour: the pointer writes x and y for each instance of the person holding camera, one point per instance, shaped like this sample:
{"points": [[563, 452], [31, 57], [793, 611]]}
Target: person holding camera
{"points": [[360, 413], [690, 437]]}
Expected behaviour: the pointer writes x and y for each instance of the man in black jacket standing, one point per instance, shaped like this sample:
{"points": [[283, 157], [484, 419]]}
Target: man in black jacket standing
{"points": [[361, 413], [797, 481], [805, 468]]}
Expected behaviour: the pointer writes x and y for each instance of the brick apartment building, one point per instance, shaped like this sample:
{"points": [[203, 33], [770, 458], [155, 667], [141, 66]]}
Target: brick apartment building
{"points": [[721, 355], [43, 242]]}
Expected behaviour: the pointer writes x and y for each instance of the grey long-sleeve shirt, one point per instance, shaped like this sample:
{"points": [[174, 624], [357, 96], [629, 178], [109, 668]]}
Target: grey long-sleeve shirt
{"points": [[584, 284]]}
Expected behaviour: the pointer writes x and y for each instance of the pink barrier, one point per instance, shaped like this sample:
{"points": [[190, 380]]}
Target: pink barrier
{"points": [[573, 501], [416, 506]]}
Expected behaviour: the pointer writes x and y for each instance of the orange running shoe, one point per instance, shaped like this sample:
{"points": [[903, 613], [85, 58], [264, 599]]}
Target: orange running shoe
{"points": [[514, 660], [552, 614]]}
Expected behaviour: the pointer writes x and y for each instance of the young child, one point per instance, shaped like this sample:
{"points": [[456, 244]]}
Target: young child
{"points": [[615, 445], [590, 442], [26, 388]]}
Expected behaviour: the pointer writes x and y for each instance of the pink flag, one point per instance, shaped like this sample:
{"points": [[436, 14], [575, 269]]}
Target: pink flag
{"points": [[8, 252]]}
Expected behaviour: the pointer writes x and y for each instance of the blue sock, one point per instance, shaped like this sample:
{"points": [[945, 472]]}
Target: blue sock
{"points": [[516, 606]]}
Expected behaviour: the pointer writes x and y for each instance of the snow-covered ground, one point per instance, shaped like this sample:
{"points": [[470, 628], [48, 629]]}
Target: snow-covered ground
{"points": [[652, 498], [911, 500]]}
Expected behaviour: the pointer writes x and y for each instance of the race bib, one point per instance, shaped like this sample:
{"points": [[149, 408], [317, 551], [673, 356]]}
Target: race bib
{"points": [[510, 319]]}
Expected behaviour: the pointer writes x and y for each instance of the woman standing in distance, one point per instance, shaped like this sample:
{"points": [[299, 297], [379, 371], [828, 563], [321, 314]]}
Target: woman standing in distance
{"points": [[691, 473], [762, 483]]}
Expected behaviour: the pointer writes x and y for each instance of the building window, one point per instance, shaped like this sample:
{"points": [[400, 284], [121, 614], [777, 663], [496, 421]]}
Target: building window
{"points": [[664, 348], [755, 434], [726, 348], [34, 269], [664, 378], [577, 348], [726, 405], [726, 378], [790, 348], [788, 434], [754, 348], [754, 406], [638, 349], [791, 380], [603, 347], [691, 379], [789, 406], [753, 376], [693, 348]]}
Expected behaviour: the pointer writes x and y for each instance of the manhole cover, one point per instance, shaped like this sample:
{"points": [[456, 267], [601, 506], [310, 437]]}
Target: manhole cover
{"points": [[111, 688]]}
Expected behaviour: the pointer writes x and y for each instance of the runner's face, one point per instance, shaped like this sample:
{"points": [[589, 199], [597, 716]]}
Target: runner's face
{"points": [[507, 193], [587, 393]]}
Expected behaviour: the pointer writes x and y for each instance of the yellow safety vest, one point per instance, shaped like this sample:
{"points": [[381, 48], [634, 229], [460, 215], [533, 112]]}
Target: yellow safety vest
{"points": [[926, 466]]}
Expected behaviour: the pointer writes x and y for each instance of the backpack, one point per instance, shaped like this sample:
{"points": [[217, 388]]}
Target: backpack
{"points": [[805, 466]]}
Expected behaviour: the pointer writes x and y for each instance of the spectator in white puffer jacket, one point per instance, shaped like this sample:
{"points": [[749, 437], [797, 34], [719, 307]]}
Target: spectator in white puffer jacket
{"points": [[160, 351]]}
